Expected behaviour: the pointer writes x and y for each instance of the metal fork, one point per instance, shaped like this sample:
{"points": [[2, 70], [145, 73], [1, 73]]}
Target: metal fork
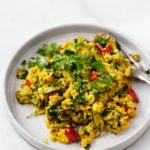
{"points": [[138, 70]]}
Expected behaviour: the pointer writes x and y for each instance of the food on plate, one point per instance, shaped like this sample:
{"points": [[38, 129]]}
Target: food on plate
{"points": [[135, 56], [83, 87]]}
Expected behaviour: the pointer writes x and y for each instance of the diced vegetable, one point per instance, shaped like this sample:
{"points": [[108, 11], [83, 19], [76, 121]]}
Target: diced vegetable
{"points": [[126, 108], [48, 49], [22, 73], [133, 94], [101, 41], [27, 83], [50, 89], [81, 99], [103, 50], [71, 134], [93, 75]]}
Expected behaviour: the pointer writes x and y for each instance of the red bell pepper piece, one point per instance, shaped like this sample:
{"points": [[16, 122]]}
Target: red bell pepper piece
{"points": [[93, 75], [126, 108], [71, 134], [133, 94], [103, 50], [27, 83]]}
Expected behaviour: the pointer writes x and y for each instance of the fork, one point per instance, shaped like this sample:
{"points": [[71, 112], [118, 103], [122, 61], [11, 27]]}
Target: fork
{"points": [[138, 70]]}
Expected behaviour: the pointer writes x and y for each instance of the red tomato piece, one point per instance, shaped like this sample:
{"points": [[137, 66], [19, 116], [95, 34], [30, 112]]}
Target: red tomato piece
{"points": [[93, 75], [101, 49], [71, 134], [133, 94], [108, 49], [27, 83], [126, 108]]}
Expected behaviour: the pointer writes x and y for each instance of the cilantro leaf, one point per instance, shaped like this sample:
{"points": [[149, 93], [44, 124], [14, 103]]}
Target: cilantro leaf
{"points": [[96, 85], [98, 66], [81, 99], [107, 111], [108, 80], [35, 61], [79, 44], [75, 40], [57, 57], [78, 82], [102, 41], [74, 62], [48, 49]]}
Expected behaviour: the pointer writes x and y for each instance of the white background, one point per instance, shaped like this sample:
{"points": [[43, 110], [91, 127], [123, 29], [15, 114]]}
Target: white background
{"points": [[22, 19]]}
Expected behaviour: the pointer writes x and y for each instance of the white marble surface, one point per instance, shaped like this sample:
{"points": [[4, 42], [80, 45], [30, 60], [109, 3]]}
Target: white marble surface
{"points": [[22, 19]]}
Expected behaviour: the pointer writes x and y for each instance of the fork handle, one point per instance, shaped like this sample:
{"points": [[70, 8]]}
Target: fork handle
{"points": [[143, 76]]}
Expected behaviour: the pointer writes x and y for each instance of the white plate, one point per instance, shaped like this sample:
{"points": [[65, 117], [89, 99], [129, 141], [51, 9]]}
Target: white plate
{"points": [[34, 130]]}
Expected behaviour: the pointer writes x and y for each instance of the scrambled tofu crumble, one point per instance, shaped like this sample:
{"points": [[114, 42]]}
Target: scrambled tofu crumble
{"points": [[81, 86]]}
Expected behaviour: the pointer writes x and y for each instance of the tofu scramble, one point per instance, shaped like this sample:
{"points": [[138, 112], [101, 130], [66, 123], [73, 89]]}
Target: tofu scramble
{"points": [[83, 88]]}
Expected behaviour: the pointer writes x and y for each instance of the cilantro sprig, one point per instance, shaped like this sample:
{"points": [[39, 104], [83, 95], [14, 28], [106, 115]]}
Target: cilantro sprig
{"points": [[102, 41], [48, 50], [34, 61], [99, 66]]}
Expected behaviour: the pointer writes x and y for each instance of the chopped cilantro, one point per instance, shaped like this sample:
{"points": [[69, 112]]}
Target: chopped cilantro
{"points": [[102, 41], [72, 107], [98, 66], [48, 49], [86, 75], [69, 52], [36, 86], [92, 59], [81, 99], [23, 63], [54, 110], [72, 67], [75, 40], [57, 58], [78, 45], [35, 61], [108, 80], [70, 62], [107, 111], [78, 82], [96, 85]]}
